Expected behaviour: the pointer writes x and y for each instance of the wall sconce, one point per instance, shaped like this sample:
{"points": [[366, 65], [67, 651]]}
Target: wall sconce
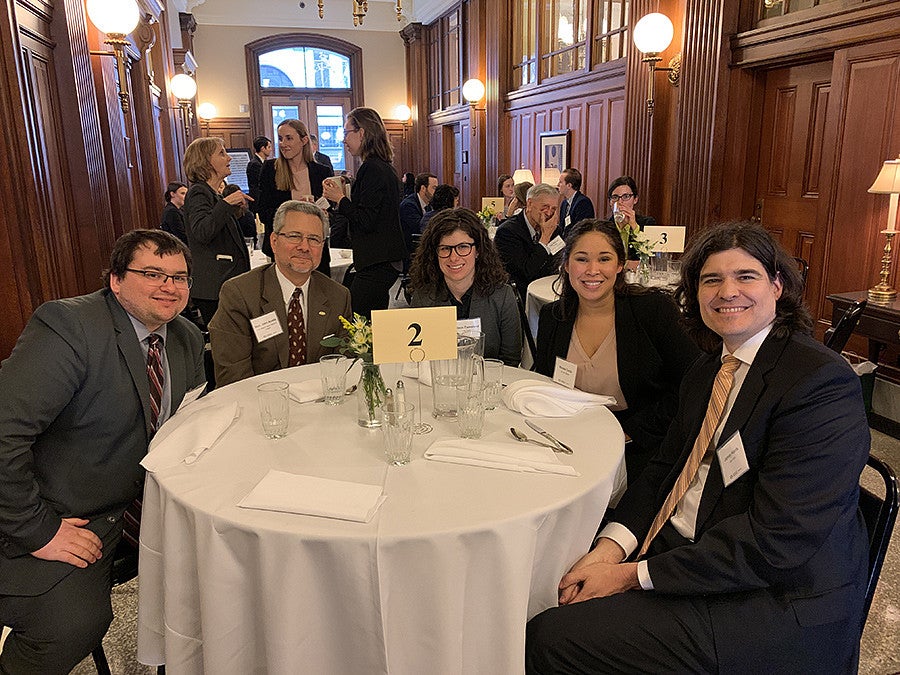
{"points": [[473, 92], [887, 183], [184, 88], [116, 18], [523, 175], [206, 112], [653, 35], [403, 113]]}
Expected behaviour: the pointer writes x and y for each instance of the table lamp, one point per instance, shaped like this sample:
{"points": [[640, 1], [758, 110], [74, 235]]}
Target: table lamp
{"points": [[887, 183]]}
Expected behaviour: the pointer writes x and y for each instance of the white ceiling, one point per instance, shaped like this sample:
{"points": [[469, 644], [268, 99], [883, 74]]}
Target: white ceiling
{"points": [[382, 15]]}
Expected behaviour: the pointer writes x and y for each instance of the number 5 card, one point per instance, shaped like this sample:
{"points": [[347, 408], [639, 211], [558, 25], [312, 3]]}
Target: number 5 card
{"points": [[415, 334]]}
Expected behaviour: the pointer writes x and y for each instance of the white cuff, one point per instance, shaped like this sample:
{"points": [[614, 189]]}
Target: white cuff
{"points": [[644, 576], [621, 535]]}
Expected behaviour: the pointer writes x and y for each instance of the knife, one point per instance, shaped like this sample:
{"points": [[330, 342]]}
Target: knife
{"points": [[550, 437]]}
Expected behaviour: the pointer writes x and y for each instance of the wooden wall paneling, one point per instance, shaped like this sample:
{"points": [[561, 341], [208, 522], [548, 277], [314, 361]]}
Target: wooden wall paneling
{"points": [[417, 85], [436, 150], [397, 134], [235, 131], [733, 189]]}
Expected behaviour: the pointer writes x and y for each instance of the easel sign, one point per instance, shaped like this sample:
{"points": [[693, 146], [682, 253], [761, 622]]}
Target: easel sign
{"points": [[668, 239], [413, 335]]}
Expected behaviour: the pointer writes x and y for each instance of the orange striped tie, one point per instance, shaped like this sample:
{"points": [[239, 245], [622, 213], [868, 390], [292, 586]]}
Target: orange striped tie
{"points": [[721, 388]]}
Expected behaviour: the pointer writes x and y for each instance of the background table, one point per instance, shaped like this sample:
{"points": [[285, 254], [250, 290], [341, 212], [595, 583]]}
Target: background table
{"points": [[540, 292], [442, 580], [341, 259]]}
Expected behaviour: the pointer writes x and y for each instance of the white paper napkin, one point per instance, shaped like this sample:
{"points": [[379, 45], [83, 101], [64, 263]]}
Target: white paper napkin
{"points": [[306, 391], [536, 398], [418, 371], [196, 435], [497, 454], [312, 496]]}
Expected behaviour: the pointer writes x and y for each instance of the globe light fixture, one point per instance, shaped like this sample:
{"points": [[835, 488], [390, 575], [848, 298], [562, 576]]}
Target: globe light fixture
{"points": [[652, 35], [116, 18]]}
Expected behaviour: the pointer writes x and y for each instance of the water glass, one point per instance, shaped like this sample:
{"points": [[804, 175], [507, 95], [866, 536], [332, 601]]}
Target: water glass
{"points": [[674, 271], [659, 267], [448, 374], [397, 432], [333, 369], [274, 406], [470, 409], [493, 383]]}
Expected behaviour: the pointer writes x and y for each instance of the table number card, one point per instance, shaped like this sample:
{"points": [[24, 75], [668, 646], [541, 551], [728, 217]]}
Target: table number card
{"points": [[416, 334], [668, 239]]}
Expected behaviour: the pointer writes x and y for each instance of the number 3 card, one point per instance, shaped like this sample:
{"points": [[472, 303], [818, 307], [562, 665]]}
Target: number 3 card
{"points": [[415, 334]]}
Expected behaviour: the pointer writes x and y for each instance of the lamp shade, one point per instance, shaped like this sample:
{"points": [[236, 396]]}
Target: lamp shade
{"points": [[402, 112], [653, 33], [523, 175], [888, 181], [183, 86], [207, 111], [114, 16], [473, 90]]}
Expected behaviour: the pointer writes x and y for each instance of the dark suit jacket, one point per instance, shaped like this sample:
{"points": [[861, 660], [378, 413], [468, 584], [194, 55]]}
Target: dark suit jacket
{"points": [[577, 209], [411, 213], [74, 425], [373, 211], [236, 352], [173, 221], [788, 532], [216, 243], [652, 355], [324, 160], [254, 168], [524, 260]]}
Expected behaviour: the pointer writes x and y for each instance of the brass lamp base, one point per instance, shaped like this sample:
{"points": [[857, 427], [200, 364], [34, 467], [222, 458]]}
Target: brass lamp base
{"points": [[883, 291]]}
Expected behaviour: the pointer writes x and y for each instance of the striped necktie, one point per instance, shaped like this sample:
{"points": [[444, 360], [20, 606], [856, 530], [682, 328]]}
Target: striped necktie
{"points": [[296, 330], [721, 388], [155, 377]]}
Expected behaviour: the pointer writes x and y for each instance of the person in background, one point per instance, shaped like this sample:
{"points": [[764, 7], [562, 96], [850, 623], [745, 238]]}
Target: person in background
{"points": [[575, 206], [409, 184], [262, 150], [445, 197], [373, 211], [624, 339], [294, 174], [506, 189], [320, 157], [414, 207], [339, 226], [457, 265], [245, 219], [520, 196], [172, 216], [623, 197], [78, 410], [741, 547], [214, 238]]}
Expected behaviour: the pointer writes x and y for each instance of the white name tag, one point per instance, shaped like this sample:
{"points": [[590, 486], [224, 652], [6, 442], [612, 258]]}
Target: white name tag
{"points": [[556, 245], [470, 327], [568, 220], [191, 396], [732, 459], [222, 256], [564, 373], [266, 326]]}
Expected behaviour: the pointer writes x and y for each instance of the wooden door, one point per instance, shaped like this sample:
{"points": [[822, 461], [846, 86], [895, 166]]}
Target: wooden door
{"points": [[322, 113], [791, 146]]}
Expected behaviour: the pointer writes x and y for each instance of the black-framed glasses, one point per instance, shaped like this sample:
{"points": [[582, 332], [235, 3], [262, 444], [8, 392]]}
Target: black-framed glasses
{"points": [[462, 250], [626, 197], [161, 278], [295, 238]]}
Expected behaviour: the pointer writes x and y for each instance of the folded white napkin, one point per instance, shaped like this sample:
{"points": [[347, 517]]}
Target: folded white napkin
{"points": [[306, 391], [537, 398], [312, 496], [195, 436], [497, 454], [418, 371]]}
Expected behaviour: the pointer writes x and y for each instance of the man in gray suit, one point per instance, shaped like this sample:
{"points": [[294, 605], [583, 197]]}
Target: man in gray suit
{"points": [[249, 332], [76, 416]]}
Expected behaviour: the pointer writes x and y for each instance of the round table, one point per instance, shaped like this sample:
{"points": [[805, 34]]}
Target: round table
{"points": [[441, 580], [539, 293], [341, 259]]}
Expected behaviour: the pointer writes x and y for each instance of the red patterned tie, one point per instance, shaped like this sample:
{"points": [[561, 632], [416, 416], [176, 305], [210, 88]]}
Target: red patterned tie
{"points": [[721, 388], [155, 377], [296, 330]]}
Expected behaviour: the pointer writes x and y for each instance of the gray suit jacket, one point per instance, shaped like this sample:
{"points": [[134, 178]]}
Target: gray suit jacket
{"points": [[237, 353], [74, 425]]}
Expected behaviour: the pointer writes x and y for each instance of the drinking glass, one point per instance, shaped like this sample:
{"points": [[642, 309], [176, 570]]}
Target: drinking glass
{"points": [[274, 406], [397, 432], [448, 374], [493, 383], [470, 409], [333, 369]]}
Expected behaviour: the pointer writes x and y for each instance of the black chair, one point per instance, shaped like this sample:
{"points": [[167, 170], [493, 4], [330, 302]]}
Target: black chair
{"points": [[836, 337], [523, 317], [803, 268], [880, 515]]}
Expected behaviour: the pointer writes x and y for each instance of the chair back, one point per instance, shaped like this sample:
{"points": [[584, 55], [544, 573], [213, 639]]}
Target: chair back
{"points": [[523, 317], [803, 268], [880, 515], [836, 337]]}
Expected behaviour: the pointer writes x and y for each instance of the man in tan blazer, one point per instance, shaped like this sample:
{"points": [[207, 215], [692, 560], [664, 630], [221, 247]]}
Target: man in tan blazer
{"points": [[249, 332]]}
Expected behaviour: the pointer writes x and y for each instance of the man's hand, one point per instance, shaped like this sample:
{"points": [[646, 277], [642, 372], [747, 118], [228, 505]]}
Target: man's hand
{"points": [[72, 544], [548, 224], [598, 573]]}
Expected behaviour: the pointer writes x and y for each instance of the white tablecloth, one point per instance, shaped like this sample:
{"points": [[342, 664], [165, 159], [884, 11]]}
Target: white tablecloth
{"points": [[540, 292], [442, 580], [341, 259]]}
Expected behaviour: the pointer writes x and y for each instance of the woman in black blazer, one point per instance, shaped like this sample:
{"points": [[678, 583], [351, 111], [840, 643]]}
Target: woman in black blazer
{"points": [[294, 174], [216, 243], [373, 211], [651, 351]]}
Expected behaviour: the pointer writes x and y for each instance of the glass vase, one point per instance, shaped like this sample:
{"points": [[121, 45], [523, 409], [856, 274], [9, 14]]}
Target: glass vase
{"points": [[369, 396], [643, 270]]}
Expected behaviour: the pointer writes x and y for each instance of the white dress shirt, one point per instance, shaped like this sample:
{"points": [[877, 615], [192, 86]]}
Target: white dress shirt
{"points": [[287, 290]]}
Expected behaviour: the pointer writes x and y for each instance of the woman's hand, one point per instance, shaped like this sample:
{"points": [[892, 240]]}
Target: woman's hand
{"points": [[628, 212], [237, 198], [332, 190]]}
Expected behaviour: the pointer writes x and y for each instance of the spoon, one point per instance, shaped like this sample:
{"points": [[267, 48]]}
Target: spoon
{"points": [[522, 438]]}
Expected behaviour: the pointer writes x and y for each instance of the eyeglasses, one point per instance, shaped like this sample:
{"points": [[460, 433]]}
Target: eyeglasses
{"points": [[462, 250], [296, 238], [161, 278], [625, 198], [350, 131]]}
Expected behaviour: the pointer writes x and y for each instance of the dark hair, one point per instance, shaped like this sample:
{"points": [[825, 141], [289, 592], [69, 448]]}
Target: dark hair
{"points": [[622, 180], [260, 142], [313, 138], [791, 314], [425, 272], [501, 179], [521, 192], [444, 196], [375, 142], [568, 298], [172, 187], [422, 180], [573, 178], [160, 242]]}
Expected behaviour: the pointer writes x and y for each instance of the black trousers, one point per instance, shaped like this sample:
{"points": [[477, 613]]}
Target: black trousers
{"points": [[371, 287]]}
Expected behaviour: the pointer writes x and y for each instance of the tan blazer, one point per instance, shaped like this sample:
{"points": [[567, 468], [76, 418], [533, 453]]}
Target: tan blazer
{"points": [[237, 354]]}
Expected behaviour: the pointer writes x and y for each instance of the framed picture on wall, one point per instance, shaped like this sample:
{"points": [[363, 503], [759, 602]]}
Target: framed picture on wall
{"points": [[554, 155]]}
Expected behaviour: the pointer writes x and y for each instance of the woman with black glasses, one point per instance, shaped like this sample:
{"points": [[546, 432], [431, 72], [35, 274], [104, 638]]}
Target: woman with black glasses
{"points": [[623, 197], [457, 265]]}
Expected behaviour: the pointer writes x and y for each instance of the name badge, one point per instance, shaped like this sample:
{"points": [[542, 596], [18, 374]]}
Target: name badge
{"points": [[556, 245], [568, 220], [266, 326], [222, 256], [564, 373], [470, 327], [732, 459]]}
